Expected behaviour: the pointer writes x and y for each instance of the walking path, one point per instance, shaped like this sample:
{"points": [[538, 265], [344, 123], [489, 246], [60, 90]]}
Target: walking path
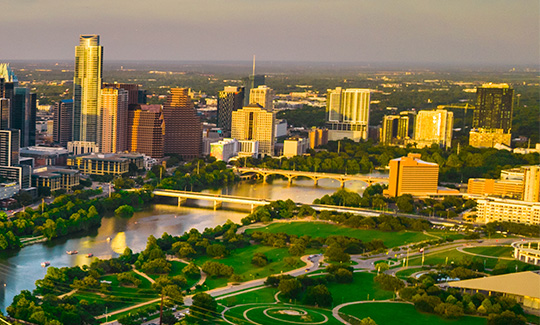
{"points": [[144, 275], [67, 294]]}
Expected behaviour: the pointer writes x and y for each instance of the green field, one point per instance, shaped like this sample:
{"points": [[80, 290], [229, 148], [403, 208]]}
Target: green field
{"points": [[321, 229], [240, 260], [497, 251], [401, 314], [263, 295], [361, 288], [256, 313]]}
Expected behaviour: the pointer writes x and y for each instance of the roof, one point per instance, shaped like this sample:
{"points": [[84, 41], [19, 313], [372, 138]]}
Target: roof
{"points": [[519, 284]]}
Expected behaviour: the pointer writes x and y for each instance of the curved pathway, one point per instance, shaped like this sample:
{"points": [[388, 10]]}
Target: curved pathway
{"points": [[462, 249], [144, 275]]}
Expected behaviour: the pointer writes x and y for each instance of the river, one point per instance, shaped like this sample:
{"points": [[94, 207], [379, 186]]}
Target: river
{"points": [[20, 270]]}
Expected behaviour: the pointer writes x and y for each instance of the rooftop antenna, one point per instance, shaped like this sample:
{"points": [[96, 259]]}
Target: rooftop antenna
{"points": [[253, 65]]}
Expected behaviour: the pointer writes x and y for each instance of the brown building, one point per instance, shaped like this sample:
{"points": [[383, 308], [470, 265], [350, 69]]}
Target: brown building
{"points": [[132, 89], [502, 188], [63, 122], [146, 130], [410, 175], [183, 128], [114, 120], [317, 137]]}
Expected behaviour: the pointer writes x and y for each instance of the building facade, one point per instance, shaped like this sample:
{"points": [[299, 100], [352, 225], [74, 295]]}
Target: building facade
{"points": [[224, 149], [253, 122], [501, 188], [230, 99], [433, 127], [183, 127], [347, 113], [114, 120], [100, 164], [87, 89], [46, 156], [398, 129], [55, 178], [295, 146], [63, 122], [411, 175], [531, 183], [263, 96], [252, 82], [495, 209], [318, 137], [146, 130], [9, 147]]}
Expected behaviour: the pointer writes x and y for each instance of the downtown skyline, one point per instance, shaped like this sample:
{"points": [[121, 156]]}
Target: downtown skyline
{"points": [[421, 31]]}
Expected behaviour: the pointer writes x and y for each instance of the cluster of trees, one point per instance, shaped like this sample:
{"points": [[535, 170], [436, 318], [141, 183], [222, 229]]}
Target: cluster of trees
{"points": [[152, 259], [514, 228], [383, 222], [363, 157], [195, 175], [307, 116], [310, 290], [429, 298]]}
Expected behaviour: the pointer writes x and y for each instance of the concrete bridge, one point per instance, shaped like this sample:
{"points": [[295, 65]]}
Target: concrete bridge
{"points": [[218, 199], [292, 174]]}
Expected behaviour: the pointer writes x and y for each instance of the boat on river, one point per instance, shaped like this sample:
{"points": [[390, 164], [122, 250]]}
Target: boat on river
{"points": [[45, 264], [89, 255], [72, 252]]}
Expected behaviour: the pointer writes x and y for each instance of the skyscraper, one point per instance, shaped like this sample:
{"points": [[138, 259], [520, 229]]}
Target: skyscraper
{"points": [[114, 120], [347, 113], [132, 89], [5, 114], [251, 82], [63, 122], [87, 88], [263, 96], [146, 130], [230, 99], [253, 122], [397, 129], [23, 115], [183, 127], [433, 127], [411, 175], [9, 147]]}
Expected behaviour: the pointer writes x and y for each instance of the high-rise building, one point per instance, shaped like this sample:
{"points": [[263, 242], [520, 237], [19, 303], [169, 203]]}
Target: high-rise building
{"points": [[114, 120], [317, 137], [263, 96], [230, 99], [251, 82], [146, 130], [433, 127], [397, 129], [531, 181], [5, 114], [183, 127], [9, 147], [347, 113], [63, 122], [87, 89], [253, 122], [23, 115], [411, 175], [132, 89]]}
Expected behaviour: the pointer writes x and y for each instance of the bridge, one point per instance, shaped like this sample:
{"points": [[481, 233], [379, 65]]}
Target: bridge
{"points": [[292, 174], [218, 199]]}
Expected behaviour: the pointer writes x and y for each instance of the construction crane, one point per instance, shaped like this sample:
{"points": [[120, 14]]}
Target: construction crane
{"points": [[464, 107]]}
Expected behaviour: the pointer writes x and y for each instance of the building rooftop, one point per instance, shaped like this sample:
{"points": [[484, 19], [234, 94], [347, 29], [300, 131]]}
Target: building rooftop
{"points": [[35, 150], [520, 284], [52, 172]]}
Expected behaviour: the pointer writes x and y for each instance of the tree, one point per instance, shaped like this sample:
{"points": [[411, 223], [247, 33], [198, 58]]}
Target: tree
{"points": [[405, 203], [290, 288], [191, 270], [367, 321], [259, 259], [318, 295], [125, 211], [388, 282], [336, 253], [507, 317], [448, 310], [297, 249], [204, 306], [217, 250]]}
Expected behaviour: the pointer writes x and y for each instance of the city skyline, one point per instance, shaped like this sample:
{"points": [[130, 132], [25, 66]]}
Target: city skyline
{"points": [[421, 31]]}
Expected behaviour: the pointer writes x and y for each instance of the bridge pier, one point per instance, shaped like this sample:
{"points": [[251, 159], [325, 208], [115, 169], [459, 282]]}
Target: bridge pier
{"points": [[217, 205], [181, 200], [342, 183], [315, 182], [264, 178], [290, 179]]}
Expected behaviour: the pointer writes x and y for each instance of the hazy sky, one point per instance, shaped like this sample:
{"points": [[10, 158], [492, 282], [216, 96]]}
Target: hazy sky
{"points": [[420, 31]]}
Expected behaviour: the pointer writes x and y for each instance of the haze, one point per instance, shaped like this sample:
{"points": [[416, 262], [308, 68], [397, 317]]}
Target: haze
{"points": [[415, 31]]}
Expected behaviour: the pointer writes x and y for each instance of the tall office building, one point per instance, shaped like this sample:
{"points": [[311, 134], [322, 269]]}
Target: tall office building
{"points": [[114, 120], [63, 122], [87, 89], [263, 96], [230, 99], [347, 113], [9, 147], [5, 113], [397, 129], [253, 122], [146, 130], [183, 127], [252, 82], [492, 119], [23, 115], [132, 89], [433, 127], [7, 74]]}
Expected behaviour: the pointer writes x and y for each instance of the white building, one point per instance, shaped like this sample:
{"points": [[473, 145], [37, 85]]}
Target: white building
{"points": [[433, 127], [281, 128], [494, 209], [347, 113], [224, 149]]}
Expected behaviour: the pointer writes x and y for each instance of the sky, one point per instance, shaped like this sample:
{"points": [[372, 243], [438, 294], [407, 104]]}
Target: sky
{"points": [[372, 31]]}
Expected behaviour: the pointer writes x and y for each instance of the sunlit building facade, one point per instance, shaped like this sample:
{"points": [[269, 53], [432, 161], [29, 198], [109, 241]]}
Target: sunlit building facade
{"points": [[347, 113], [114, 120], [253, 122], [433, 127]]}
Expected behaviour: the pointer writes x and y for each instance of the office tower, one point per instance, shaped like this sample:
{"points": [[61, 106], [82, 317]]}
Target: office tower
{"points": [[230, 99], [492, 118], [146, 130], [263, 96], [4, 114], [63, 122], [114, 120], [141, 94], [23, 115], [317, 137], [87, 89], [252, 82], [397, 129], [411, 175], [433, 127], [183, 127], [347, 113], [9, 147], [7, 74], [531, 180], [132, 89], [253, 122]]}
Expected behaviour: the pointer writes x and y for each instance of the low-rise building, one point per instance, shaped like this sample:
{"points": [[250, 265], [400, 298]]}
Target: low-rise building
{"points": [[55, 178], [46, 156], [491, 209], [295, 146], [281, 128], [225, 149], [8, 190], [100, 164], [494, 187], [481, 138]]}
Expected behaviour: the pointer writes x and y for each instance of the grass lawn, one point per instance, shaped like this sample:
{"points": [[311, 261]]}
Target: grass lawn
{"points": [[361, 288], [321, 229], [240, 260], [120, 295], [264, 295], [133, 311], [400, 313], [496, 251], [447, 234], [256, 314]]}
